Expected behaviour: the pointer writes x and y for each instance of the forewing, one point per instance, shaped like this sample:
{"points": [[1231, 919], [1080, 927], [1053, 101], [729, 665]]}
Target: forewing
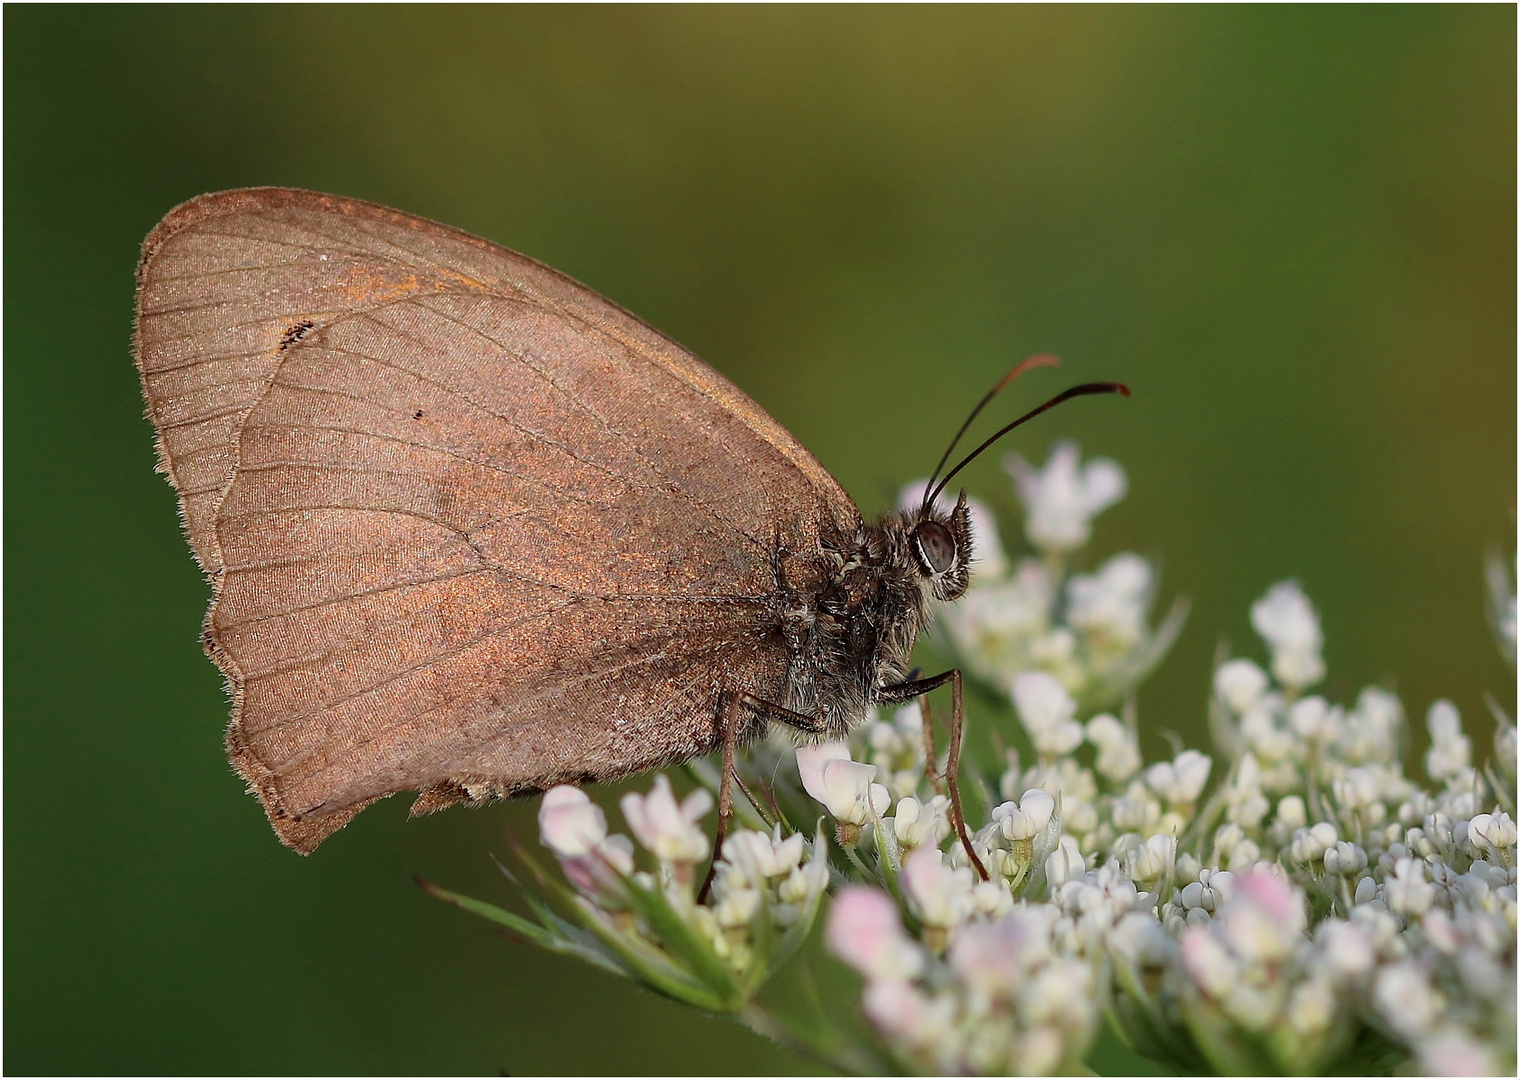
{"points": [[472, 528]]}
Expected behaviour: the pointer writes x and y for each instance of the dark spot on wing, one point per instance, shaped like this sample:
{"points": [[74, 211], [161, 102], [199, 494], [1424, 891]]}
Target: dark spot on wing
{"points": [[296, 333], [417, 415]]}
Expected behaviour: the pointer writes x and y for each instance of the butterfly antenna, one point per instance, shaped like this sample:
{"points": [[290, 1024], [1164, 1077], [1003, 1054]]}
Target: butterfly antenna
{"points": [[931, 494], [1042, 360]]}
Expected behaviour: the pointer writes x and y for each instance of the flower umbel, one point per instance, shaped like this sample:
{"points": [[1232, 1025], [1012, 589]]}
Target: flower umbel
{"points": [[1290, 901]]}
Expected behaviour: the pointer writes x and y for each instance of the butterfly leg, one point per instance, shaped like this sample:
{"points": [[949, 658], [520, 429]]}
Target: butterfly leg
{"points": [[907, 691], [730, 735], [931, 756]]}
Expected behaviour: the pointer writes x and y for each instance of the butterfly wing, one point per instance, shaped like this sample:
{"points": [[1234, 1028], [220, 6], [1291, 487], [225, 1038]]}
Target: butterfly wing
{"points": [[472, 529]]}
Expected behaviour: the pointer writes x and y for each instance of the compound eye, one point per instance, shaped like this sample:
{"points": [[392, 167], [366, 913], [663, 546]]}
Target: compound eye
{"points": [[936, 546]]}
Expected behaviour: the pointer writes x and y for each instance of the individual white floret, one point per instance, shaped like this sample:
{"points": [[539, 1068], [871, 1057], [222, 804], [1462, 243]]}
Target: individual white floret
{"points": [[940, 895], [918, 823], [1046, 710], [1240, 684], [994, 627], [1137, 810], [1118, 750], [990, 899], [1245, 803], [1407, 892], [667, 828], [1111, 604], [1309, 845], [735, 907], [1370, 732], [1345, 859], [1450, 751], [897, 748], [1064, 863], [569, 823], [1148, 863], [1062, 498], [1181, 780], [1289, 625], [1291, 816], [1233, 849], [844, 787], [1314, 721], [1209, 893], [1358, 790], [762, 856], [1027, 818], [1493, 833], [1405, 999]]}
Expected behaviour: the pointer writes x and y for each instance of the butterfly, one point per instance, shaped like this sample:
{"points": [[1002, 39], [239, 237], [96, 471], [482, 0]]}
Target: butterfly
{"points": [[473, 530]]}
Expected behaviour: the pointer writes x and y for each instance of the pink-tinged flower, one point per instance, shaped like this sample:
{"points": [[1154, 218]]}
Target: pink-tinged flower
{"points": [[600, 873], [864, 931], [1348, 949], [668, 828], [569, 823], [1264, 918], [901, 1011], [940, 895], [995, 957], [843, 786], [1208, 962], [1454, 1052]]}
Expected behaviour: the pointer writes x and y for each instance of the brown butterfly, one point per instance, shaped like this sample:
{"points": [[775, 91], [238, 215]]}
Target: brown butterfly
{"points": [[474, 530]]}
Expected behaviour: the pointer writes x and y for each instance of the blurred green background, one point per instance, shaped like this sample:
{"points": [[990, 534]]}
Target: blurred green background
{"points": [[1291, 230]]}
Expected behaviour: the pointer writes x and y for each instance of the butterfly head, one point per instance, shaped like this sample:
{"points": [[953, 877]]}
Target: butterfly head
{"points": [[941, 547]]}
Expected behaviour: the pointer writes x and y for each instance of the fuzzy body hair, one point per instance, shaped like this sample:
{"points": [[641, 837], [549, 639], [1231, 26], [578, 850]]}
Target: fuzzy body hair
{"points": [[851, 619]]}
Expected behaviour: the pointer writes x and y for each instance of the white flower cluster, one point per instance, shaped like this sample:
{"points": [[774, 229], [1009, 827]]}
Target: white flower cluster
{"points": [[765, 894], [1293, 903], [1090, 630], [1002, 1000], [1317, 909]]}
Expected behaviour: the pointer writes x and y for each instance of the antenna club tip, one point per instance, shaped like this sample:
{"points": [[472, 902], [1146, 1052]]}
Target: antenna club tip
{"points": [[1121, 389]]}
